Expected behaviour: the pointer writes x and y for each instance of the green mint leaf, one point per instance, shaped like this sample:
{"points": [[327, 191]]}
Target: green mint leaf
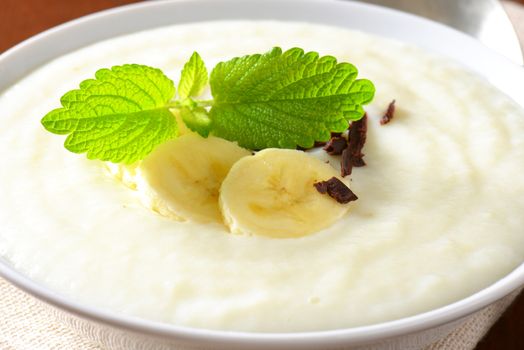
{"points": [[194, 77], [196, 119], [285, 99], [120, 116]]}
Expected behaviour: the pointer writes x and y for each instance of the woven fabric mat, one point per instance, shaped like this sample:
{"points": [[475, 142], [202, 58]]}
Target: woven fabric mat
{"points": [[27, 325]]}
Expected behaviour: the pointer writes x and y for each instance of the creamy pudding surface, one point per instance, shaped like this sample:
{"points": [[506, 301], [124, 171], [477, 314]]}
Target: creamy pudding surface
{"points": [[439, 214]]}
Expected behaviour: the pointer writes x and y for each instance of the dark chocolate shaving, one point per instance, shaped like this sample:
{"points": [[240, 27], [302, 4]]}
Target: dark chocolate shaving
{"points": [[345, 163], [336, 189], [336, 145], [390, 112], [352, 156]]}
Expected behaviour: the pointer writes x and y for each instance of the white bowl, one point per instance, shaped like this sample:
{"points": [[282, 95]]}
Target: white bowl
{"points": [[123, 332]]}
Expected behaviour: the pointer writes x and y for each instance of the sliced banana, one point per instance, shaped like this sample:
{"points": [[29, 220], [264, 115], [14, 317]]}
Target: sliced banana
{"points": [[181, 178], [272, 194]]}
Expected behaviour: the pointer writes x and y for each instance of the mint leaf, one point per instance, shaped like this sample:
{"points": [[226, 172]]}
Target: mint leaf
{"points": [[285, 99], [196, 119], [120, 116], [194, 77]]}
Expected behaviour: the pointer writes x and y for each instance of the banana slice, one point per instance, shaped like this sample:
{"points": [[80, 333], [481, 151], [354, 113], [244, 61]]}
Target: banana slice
{"points": [[181, 178], [272, 194]]}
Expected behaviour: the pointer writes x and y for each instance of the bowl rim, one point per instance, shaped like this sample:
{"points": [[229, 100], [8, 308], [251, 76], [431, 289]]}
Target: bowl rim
{"points": [[508, 78]]}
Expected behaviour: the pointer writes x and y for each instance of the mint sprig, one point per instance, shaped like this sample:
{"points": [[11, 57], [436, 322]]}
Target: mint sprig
{"points": [[277, 99]]}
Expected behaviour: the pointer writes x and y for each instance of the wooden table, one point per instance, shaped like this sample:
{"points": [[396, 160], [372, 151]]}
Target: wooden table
{"points": [[20, 19]]}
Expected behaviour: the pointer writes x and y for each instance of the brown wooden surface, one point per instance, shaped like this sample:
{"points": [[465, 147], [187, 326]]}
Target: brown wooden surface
{"points": [[20, 19]]}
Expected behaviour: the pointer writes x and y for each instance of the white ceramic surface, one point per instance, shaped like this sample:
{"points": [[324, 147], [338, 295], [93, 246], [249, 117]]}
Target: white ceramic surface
{"points": [[122, 332]]}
